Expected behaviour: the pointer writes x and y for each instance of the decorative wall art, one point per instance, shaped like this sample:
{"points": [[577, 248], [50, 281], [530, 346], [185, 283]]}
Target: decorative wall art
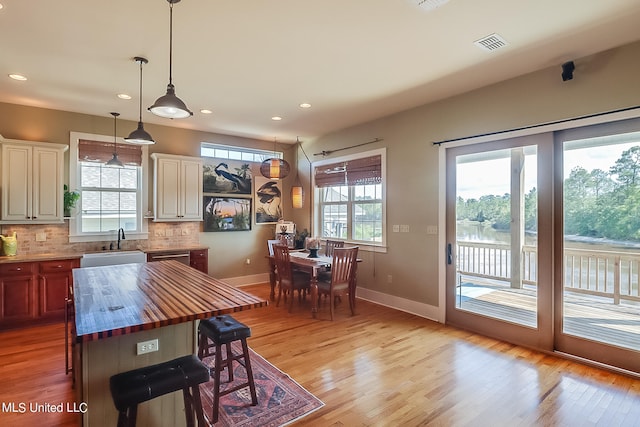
{"points": [[226, 176], [268, 196], [227, 213]]}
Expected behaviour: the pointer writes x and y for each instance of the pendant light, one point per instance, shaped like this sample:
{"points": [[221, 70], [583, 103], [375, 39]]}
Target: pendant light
{"points": [[169, 105], [114, 160], [297, 192], [140, 136], [274, 168]]}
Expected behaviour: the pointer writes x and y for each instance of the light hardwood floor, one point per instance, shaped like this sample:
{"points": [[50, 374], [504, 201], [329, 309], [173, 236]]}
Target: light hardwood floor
{"points": [[380, 367]]}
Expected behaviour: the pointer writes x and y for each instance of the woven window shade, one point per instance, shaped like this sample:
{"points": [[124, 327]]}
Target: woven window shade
{"points": [[101, 152], [367, 170]]}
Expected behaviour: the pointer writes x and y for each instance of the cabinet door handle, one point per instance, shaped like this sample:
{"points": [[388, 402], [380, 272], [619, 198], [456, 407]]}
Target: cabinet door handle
{"points": [[16, 269]]}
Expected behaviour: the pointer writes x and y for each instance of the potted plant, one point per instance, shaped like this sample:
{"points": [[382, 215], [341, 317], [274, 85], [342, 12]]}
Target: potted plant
{"points": [[70, 200]]}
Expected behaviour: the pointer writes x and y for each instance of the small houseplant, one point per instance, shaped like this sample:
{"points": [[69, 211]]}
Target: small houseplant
{"points": [[70, 200]]}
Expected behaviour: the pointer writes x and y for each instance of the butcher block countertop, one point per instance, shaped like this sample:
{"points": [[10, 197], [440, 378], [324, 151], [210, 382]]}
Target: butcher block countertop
{"points": [[122, 299]]}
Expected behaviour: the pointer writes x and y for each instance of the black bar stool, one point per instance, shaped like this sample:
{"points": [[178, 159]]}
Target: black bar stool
{"points": [[130, 388], [223, 330]]}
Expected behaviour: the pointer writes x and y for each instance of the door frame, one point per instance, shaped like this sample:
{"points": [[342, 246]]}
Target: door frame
{"points": [[540, 337]]}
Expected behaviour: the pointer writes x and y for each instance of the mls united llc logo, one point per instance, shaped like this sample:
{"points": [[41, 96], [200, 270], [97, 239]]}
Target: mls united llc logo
{"points": [[33, 407]]}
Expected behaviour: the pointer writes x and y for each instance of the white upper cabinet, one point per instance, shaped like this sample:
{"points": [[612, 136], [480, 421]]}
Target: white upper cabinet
{"points": [[32, 182], [177, 187]]}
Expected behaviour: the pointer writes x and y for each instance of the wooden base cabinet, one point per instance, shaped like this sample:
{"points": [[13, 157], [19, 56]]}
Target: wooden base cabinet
{"points": [[56, 279], [32, 291], [17, 291], [199, 259]]}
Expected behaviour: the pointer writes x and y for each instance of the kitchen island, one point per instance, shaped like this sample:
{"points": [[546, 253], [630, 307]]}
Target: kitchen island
{"points": [[119, 307]]}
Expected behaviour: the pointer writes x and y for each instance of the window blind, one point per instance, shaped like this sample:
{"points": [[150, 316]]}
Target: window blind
{"points": [[366, 170], [102, 152]]}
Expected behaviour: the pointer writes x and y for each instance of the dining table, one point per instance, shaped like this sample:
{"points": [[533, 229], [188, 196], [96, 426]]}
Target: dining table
{"points": [[301, 261]]}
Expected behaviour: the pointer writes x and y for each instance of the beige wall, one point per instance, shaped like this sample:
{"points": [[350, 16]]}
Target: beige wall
{"points": [[602, 82], [228, 251]]}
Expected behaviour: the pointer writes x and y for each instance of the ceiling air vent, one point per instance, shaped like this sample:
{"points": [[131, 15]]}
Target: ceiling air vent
{"points": [[491, 42], [430, 4]]}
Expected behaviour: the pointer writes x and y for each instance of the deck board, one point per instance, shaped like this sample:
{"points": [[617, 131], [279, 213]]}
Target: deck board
{"points": [[585, 316]]}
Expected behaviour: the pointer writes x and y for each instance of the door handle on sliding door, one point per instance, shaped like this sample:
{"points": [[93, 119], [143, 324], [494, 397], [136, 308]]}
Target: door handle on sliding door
{"points": [[449, 254]]}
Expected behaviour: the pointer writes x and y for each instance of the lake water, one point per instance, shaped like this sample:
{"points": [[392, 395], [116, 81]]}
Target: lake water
{"points": [[472, 231]]}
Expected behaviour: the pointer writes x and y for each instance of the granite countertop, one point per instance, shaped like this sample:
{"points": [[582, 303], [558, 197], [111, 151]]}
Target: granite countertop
{"points": [[39, 257], [174, 249], [117, 300], [75, 255]]}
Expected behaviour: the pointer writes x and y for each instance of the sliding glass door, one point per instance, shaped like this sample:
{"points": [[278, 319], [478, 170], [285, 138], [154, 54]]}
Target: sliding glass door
{"points": [[496, 277], [599, 314], [543, 241]]}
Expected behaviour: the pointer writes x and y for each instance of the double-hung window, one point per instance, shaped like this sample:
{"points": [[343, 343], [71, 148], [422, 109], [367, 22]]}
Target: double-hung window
{"points": [[110, 197], [350, 198]]}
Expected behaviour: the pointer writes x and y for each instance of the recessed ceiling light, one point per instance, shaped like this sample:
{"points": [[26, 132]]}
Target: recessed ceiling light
{"points": [[1, 6], [18, 77], [305, 105], [124, 96], [205, 111], [276, 118]]}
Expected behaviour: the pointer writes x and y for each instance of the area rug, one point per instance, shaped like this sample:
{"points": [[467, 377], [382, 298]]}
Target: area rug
{"points": [[281, 400]]}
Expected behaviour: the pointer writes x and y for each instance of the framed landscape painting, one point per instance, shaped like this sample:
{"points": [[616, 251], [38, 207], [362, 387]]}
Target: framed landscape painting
{"points": [[227, 213]]}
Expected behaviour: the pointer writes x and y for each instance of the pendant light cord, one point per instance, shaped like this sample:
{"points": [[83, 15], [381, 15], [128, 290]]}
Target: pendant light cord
{"points": [[170, 41], [140, 97]]}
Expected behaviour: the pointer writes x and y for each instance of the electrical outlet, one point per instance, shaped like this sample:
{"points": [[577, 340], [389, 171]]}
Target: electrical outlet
{"points": [[41, 237], [432, 229], [147, 346], [389, 279], [248, 261], [185, 231], [168, 232], [396, 228]]}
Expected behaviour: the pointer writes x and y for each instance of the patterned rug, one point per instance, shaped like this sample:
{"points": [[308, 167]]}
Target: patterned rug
{"points": [[281, 400]]}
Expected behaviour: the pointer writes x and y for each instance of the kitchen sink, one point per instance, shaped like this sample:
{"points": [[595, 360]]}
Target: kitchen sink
{"points": [[97, 259]]}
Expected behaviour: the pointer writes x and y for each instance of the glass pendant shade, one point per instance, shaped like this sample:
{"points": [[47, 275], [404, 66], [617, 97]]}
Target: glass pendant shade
{"points": [[140, 136], [114, 161], [275, 168]]}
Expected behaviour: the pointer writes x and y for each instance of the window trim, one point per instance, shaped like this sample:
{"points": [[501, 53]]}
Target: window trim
{"points": [[366, 246], [265, 154], [143, 200]]}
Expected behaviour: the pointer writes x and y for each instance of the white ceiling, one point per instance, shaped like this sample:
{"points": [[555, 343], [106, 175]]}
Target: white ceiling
{"points": [[249, 60]]}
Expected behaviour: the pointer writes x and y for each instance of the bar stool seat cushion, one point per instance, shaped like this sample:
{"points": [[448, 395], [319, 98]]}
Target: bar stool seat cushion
{"points": [[224, 329], [142, 384]]}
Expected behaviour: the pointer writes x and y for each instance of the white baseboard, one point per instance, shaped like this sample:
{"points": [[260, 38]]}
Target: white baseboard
{"points": [[247, 280], [419, 309]]}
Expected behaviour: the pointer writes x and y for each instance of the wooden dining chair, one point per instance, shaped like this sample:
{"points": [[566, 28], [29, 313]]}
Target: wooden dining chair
{"points": [[331, 244], [343, 278], [289, 280], [325, 275]]}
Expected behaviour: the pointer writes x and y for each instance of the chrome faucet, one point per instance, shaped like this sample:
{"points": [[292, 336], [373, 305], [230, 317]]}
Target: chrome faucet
{"points": [[120, 236]]}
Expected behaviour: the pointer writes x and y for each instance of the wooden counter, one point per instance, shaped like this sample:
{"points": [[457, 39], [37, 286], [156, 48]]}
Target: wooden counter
{"points": [[118, 307]]}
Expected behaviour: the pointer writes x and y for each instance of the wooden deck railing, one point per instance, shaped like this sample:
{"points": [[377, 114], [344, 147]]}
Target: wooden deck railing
{"points": [[607, 274]]}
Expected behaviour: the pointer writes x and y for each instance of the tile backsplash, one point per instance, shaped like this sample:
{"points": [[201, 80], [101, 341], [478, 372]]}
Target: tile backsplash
{"points": [[161, 235]]}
